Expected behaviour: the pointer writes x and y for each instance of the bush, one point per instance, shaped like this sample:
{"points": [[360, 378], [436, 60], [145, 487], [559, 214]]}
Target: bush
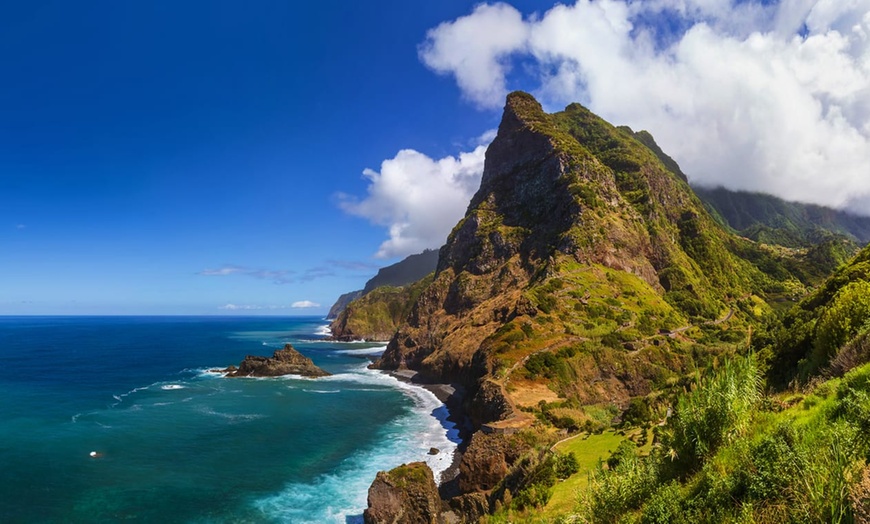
{"points": [[566, 465], [611, 493], [664, 507], [841, 321], [637, 413], [713, 414]]}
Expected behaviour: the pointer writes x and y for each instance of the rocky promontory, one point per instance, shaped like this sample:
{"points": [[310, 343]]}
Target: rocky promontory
{"points": [[406, 494], [285, 361]]}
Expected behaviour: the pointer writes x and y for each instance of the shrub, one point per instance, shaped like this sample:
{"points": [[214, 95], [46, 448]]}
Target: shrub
{"points": [[716, 411], [664, 507], [566, 465]]}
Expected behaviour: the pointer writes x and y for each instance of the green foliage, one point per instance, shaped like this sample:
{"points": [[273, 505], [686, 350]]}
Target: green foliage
{"points": [[565, 465], [664, 506], [613, 492], [812, 333], [718, 410], [796, 465], [637, 412], [841, 321]]}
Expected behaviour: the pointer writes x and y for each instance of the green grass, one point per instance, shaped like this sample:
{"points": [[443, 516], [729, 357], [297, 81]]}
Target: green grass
{"points": [[588, 449]]}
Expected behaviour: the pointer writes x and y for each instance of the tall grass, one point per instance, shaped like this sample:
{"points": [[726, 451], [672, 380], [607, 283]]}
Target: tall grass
{"points": [[717, 410]]}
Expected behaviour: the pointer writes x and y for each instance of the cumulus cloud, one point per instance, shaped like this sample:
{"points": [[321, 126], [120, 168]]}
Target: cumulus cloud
{"points": [[417, 198], [304, 304], [752, 95], [475, 49]]}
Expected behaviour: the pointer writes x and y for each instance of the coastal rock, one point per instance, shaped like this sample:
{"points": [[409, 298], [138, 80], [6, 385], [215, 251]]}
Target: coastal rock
{"points": [[486, 461], [285, 361], [406, 494]]}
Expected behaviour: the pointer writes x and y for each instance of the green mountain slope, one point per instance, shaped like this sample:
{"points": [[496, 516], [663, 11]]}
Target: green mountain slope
{"points": [[826, 331], [771, 220], [587, 284]]}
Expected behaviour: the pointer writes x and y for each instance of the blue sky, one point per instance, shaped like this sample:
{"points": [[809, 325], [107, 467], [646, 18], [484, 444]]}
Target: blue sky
{"points": [[222, 157]]}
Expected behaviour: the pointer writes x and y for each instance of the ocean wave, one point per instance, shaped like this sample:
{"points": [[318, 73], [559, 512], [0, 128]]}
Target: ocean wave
{"points": [[170, 387], [323, 330], [322, 390], [232, 417], [341, 496], [379, 350]]}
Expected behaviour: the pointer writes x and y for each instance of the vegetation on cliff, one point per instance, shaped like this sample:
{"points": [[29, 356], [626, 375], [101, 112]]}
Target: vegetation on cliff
{"points": [[377, 314], [376, 311], [771, 220], [588, 287]]}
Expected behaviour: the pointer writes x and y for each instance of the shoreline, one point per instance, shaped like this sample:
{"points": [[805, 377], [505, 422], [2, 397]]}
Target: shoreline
{"points": [[451, 396]]}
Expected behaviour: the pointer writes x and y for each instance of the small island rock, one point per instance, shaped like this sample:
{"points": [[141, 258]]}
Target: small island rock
{"points": [[285, 361]]}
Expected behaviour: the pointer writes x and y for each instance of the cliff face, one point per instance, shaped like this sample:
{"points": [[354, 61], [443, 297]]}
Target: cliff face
{"points": [[409, 270], [342, 303], [569, 209]]}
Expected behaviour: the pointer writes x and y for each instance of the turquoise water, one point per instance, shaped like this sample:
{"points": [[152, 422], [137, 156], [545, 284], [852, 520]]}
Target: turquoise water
{"points": [[176, 443]]}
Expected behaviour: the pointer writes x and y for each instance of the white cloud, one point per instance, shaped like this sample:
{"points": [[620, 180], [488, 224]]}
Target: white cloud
{"points": [[419, 199], [475, 49], [304, 304], [750, 95]]}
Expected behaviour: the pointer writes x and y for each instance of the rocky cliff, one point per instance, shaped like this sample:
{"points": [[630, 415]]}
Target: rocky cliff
{"points": [[585, 271], [569, 209], [342, 302], [285, 361], [404, 495]]}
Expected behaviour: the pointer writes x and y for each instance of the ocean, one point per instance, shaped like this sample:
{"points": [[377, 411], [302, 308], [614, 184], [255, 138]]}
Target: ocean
{"points": [[176, 443]]}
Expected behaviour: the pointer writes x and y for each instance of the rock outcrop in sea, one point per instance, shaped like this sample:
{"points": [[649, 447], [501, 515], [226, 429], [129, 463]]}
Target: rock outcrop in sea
{"points": [[404, 495], [285, 361]]}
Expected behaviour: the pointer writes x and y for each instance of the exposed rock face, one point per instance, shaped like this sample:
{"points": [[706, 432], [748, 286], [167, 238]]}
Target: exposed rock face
{"points": [[486, 461], [285, 361], [404, 495]]}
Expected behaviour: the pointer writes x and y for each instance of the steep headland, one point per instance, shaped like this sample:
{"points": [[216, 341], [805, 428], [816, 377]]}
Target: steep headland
{"points": [[376, 315], [585, 273], [407, 271]]}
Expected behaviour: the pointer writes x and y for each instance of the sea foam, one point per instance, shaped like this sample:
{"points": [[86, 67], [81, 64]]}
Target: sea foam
{"points": [[341, 495]]}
